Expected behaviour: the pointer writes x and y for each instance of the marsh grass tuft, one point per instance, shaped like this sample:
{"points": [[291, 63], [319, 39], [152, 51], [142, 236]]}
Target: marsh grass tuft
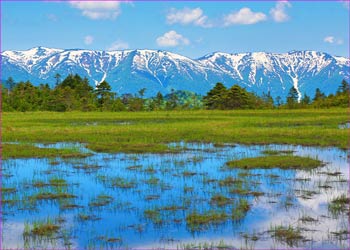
{"points": [[152, 181], [289, 235], [41, 229], [58, 182], [240, 210], [89, 168], [220, 200], [134, 167], [230, 181], [188, 174], [87, 217], [308, 219], [277, 152], [7, 190], [153, 215], [339, 205], [101, 200], [198, 222], [123, 183], [53, 196], [276, 161]]}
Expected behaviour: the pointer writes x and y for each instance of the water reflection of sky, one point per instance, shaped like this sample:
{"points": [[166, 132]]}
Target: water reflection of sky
{"points": [[282, 204]]}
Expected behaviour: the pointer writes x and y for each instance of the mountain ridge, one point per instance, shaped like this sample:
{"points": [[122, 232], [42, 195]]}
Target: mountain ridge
{"points": [[127, 71]]}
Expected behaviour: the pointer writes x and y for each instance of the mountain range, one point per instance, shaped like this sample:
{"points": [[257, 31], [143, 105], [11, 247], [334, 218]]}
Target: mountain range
{"points": [[128, 71]]}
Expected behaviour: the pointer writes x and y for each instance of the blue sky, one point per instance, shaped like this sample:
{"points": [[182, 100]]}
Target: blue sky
{"points": [[192, 29]]}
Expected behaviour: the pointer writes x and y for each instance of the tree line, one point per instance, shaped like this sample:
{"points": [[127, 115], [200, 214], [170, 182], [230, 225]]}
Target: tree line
{"points": [[75, 93], [237, 97]]}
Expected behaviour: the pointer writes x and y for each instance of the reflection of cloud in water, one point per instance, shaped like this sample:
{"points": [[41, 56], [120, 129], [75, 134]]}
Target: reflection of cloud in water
{"points": [[12, 236], [115, 220]]}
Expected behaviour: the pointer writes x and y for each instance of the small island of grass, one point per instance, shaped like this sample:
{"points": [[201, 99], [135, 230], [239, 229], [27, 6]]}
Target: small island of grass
{"points": [[275, 161]]}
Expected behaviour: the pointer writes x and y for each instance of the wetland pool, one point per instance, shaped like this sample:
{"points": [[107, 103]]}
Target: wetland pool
{"points": [[180, 200]]}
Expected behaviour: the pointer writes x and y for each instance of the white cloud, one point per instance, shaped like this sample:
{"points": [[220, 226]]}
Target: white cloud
{"points": [[98, 9], [333, 40], [278, 13], [188, 16], [329, 39], [88, 40], [172, 39], [118, 45], [244, 16]]}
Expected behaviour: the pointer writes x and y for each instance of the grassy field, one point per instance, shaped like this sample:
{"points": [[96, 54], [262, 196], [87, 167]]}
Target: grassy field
{"points": [[151, 131]]}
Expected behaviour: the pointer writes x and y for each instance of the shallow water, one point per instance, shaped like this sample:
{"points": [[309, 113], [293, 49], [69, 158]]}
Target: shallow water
{"points": [[186, 181]]}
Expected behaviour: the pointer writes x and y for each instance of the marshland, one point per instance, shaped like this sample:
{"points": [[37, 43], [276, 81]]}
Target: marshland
{"points": [[179, 179]]}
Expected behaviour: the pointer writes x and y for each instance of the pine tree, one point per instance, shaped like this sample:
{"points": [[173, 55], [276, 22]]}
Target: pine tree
{"points": [[292, 98], [58, 79], [343, 88], [306, 100], [103, 93], [159, 100], [237, 98], [172, 103], [10, 83], [278, 101], [268, 100], [216, 97], [319, 95], [142, 92]]}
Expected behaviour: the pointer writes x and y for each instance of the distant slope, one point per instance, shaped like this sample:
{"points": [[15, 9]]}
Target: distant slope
{"points": [[130, 70]]}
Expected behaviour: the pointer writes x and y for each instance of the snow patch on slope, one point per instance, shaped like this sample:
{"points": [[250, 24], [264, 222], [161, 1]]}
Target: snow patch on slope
{"points": [[257, 70]]}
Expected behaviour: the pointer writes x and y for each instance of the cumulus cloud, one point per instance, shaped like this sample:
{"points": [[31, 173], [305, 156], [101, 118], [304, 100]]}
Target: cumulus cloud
{"points": [[118, 45], [88, 40], [172, 39], [244, 16], [278, 13], [333, 40], [329, 39], [188, 16], [98, 9]]}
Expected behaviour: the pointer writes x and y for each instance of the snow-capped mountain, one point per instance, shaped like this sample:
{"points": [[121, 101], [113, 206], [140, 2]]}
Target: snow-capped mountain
{"points": [[130, 70]]}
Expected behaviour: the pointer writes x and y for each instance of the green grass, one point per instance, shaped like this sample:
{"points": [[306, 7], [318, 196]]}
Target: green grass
{"points": [[275, 161], [289, 235], [151, 131], [339, 205], [122, 183], [196, 221], [230, 181], [52, 196], [220, 200], [41, 229], [101, 200], [240, 210], [28, 151], [58, 182], [8, 190], [276, 152], [153, 215]]}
